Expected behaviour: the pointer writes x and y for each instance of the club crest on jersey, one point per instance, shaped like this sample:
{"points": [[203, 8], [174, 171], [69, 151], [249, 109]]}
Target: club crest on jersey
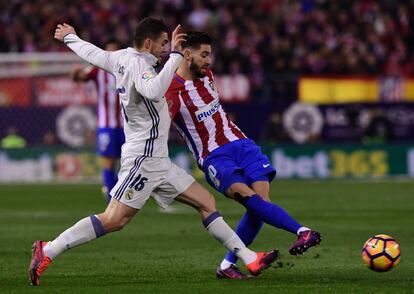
{"points": [[211, 84], [207, 110], [146, 76]]}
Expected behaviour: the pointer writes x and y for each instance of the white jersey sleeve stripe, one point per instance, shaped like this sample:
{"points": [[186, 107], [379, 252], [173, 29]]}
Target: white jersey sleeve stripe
{"points": [[157, 122]]}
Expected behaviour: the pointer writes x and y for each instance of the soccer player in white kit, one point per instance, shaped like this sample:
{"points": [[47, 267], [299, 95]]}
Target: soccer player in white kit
{"points": [[146, 169]]}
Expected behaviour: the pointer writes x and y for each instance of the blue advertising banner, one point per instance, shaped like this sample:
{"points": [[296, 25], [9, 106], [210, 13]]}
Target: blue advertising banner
{"points": [[344, 123]]}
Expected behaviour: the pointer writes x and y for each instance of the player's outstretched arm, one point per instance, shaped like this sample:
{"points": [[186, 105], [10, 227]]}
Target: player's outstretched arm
{"points": [[155, 88], [85, 50]]}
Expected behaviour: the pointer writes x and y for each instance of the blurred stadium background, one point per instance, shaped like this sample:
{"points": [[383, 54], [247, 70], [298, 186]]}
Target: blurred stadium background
{"points": [[326, 87]]}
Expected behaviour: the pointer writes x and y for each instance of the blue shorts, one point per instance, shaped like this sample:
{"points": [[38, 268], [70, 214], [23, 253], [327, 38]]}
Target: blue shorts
{"points": [[235, 162], [109, 142]]}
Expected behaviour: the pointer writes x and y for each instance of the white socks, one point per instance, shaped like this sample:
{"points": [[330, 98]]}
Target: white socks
{"points": [[90, 228], [85, 230], [225, 264], [302, 229], [221, 231]]}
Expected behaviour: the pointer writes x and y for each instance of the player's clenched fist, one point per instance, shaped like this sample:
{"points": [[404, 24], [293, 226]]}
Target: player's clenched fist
{"points": [[63, 30]]}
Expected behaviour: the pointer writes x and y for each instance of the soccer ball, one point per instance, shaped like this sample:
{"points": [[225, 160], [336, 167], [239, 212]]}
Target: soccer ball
{"points": [[381, 253]]}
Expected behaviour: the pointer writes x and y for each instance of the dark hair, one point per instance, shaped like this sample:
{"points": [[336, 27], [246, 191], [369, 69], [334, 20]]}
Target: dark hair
{"points": [[195, 39], [148, 28]]}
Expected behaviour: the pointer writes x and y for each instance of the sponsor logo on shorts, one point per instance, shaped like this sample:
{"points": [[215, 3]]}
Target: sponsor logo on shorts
{"points": [[266, 165]]}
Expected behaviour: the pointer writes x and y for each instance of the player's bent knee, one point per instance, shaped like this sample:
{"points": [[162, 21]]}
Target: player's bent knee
{"points": [[239, 189], [207, 204]]}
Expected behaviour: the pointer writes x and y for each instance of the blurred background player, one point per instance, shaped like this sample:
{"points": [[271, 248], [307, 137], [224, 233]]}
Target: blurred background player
{"points": [[146, 170], [110, 133], [232, 163]]}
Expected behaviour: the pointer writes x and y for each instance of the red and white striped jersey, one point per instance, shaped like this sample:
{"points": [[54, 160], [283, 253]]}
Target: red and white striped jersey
{"points": [[109, 109], [198, 116]]}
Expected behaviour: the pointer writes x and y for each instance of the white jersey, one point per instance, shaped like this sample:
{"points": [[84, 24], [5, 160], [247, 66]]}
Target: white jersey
{"points": [[141, 92]]}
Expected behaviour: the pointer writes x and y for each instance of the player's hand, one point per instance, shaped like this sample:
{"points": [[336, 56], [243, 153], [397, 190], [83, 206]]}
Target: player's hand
{"points": [[177, 38], [63, 30]]}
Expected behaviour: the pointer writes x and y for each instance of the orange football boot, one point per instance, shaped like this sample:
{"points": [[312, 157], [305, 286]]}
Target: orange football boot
{"points": [[39, 262], [263, 261]]}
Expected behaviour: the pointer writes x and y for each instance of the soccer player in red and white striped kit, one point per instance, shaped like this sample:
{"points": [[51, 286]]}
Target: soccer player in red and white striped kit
{"points": [[232, 163]]}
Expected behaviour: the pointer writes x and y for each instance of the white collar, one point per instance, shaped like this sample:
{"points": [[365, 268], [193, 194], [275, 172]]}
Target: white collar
{"points": [[148, 56]]}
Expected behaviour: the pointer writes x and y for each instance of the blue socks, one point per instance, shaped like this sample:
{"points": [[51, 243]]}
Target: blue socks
{"points": [[247, 229], [109, 181], [272, 214], [259, 210]]}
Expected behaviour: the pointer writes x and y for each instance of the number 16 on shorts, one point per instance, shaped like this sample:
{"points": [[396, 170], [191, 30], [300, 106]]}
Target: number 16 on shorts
{"points": [[138, 183]]}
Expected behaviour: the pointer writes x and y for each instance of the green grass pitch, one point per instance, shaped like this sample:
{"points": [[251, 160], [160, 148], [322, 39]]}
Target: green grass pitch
{"points": [[171, 252]]}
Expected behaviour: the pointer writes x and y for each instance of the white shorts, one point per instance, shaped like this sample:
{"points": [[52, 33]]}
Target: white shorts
{"points": [[141, 177]]}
